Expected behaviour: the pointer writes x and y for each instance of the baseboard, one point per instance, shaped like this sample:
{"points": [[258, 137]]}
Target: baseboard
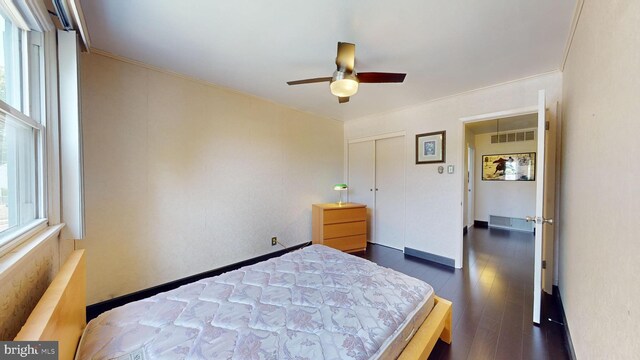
{"points": [[98, 308], [481, 224], [442, 260], [567, 334]]}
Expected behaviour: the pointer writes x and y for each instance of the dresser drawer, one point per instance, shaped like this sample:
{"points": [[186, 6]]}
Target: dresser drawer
{"points": [[344, 229], [345, 215], [348, 243]]}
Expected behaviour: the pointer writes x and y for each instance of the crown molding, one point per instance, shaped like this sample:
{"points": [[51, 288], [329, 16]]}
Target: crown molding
{"points": [[574, 24]]}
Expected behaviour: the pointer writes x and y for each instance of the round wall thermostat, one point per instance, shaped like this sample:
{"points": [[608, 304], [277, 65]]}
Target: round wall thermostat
{"points": [[440, 169]]}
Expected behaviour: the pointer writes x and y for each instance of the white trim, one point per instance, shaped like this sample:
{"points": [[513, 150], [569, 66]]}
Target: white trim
{"points": [[71, 163], [14, 14], [572, 32], [81, 23], [18, 115], [558, 189], [500, 114], [37, 105], [36, 15], [26, 72], [11, 259], [377, 137], [52, 128], [15, 238], [463, 93], [540, 183]]}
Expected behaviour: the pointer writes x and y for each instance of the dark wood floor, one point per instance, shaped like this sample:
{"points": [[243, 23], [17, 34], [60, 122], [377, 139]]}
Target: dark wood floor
{"points": [[492, 298]]}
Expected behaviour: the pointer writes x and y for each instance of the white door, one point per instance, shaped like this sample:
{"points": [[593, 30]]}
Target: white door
{"points": [[539, 219], [389, 192], [361, 180], [470, 192]]}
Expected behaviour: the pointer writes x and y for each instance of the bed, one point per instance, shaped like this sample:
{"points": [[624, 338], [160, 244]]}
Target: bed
{"points": [[316, 303]]}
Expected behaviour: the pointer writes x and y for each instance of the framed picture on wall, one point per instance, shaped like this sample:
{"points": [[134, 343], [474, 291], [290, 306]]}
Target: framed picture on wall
{"points": [[509, 167], [431, 147]]}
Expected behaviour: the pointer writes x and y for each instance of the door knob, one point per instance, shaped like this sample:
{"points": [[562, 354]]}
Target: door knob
{"points": [[370, 189], [539, 220]]}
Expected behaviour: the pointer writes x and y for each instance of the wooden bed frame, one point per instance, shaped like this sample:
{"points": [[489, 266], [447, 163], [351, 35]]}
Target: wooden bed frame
{"points": [[60, 316]]}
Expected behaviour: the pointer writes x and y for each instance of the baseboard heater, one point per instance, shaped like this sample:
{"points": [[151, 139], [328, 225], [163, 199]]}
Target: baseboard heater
{"points": [[510, 223]]}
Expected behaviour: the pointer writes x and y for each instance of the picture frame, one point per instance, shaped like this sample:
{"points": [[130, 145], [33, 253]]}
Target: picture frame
{"points": [[431, 147], [509, 167]]}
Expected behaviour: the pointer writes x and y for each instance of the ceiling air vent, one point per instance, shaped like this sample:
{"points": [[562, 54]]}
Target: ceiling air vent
{"points": [[529, 135], [513, 137]]}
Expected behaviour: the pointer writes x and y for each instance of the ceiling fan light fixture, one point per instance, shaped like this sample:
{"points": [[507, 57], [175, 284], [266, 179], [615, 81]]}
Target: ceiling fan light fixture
{"points": [[344, 84]]}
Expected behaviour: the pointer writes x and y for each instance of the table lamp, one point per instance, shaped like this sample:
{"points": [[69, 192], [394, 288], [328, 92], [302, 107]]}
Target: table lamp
{"points": [[340, 188]]}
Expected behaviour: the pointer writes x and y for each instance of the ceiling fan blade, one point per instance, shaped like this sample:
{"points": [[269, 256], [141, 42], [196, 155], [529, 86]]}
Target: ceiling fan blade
{"points": [[309, 81], [343, 100], [346, 58], [380, 77]]}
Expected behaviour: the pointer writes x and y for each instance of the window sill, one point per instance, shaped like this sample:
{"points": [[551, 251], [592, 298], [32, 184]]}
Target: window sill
{"points": [[13, 239], [12, 258]]}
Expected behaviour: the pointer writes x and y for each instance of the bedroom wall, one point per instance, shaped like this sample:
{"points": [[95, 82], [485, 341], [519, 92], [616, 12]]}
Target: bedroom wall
{"points": [[600, 198], [504, 198], [183, 177], [433, 201]]}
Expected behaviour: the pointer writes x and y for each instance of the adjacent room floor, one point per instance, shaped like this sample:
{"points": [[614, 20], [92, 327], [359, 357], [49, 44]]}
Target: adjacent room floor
{"points": [[492, 298]]}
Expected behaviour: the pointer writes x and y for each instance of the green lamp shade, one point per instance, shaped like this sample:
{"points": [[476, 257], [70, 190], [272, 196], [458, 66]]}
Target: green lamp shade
{"points": [[340, 187]]}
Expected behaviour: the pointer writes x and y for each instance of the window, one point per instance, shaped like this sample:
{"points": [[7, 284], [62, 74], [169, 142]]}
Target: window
{"points": [[21, 131], [11, 63], [17, 174]]}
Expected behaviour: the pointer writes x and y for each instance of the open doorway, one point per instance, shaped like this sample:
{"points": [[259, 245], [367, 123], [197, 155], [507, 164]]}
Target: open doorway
{"points": [[500, 167], [522, 166]]}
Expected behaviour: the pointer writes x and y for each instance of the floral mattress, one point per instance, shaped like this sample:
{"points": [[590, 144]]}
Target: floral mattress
{"points": [[312, 303]]}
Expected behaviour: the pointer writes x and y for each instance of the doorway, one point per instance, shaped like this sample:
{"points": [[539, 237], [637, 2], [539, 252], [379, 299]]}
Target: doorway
{"points": [[501, 189], [538, 166]]}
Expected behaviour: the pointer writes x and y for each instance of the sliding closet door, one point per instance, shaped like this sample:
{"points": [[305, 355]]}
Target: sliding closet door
{"points": [[361, 181], [389, 190]]}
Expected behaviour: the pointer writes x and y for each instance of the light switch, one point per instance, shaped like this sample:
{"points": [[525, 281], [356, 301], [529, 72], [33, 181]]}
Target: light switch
{"points": [[450, 169]]}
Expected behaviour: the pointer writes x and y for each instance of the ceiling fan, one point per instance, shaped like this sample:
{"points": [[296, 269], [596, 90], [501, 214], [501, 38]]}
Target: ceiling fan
{"points": [[344, 82]]}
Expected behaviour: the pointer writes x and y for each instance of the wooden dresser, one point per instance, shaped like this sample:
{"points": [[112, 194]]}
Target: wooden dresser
{"points": [[343, 227]]}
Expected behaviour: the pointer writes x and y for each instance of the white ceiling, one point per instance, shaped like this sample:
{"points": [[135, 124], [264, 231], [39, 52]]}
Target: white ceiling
{"points": [[445, 47], [507, 124]]}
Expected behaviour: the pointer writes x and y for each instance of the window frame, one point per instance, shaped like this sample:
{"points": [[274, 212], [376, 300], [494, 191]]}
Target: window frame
{"points": [[36, 109]]}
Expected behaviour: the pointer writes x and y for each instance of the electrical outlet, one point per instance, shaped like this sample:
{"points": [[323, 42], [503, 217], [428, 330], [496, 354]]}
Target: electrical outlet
{"points": [[274, 241]]}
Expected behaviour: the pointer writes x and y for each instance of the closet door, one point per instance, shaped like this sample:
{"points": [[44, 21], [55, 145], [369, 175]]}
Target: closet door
{"points": [[389, 192], [360, 178]]}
